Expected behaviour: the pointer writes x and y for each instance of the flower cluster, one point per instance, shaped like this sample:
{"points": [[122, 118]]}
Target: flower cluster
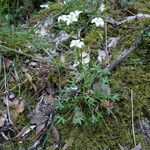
{"points": [[72, 17], [98, 21]]}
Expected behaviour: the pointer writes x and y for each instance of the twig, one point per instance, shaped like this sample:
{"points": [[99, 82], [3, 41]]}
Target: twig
{"points": [[132, 112], [125, 53], [6, 98], [127, 19], [106, 48]]}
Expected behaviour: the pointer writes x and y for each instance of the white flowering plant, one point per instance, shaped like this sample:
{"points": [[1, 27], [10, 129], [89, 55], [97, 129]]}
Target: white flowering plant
{"points": [[79, 99]]}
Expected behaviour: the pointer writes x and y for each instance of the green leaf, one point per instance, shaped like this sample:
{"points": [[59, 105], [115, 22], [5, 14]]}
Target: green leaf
{"points": [[60, 119]]}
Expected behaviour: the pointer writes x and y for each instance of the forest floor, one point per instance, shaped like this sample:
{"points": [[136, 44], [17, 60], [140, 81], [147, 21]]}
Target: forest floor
{"points": [[76, 83]]}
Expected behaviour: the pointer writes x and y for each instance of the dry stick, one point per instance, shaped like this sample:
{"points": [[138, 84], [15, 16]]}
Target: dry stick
{"points": [[106, 49], [132, 112], [127, 19], [125, 53], [6, 98]]}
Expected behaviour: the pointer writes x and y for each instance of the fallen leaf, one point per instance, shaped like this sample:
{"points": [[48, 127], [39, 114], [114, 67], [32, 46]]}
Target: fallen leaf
{"points": [[17, 107], [38, 118], [8, 62], [40, 128], [29, 78], [112, 41], [55, 136], [108, 104], [3, 118], [2, 121]]}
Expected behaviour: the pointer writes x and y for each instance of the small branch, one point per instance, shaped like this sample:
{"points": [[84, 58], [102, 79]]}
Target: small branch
{"points": [[127, 19], [132, 112], [106, 48], [125, 53]]}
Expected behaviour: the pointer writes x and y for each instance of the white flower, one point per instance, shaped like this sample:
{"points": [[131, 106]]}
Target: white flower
{"points": [[101, 55], [63, 18], [72, 17], [44, 6], [84, 54], [102, 7], [85, 59], [98, 22], [75, 64], [66, 1], [76, 43]]}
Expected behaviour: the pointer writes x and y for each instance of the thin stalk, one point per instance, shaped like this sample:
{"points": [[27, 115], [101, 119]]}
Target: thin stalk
{"points": [[132, 112]]}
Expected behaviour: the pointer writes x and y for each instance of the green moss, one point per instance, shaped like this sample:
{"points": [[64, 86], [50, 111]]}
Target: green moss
{"points": [[54, 9], [94, 36]]}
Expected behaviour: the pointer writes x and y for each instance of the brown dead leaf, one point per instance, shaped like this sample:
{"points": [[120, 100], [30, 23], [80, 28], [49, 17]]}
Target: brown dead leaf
{"points": [[29, 78], [108, 104], [2, 121], [38, 118], [48, 98], [17, 107], [55, 136], [41, 114], [3, 118], [39, 129], [11, 78], [8, 62]]}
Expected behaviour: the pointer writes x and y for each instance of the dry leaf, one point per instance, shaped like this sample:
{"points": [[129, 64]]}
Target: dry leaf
{"points": [[3, 118], [17, 107], [55, 136], [112, 41], [38, 118], [29, 78], [42, 112], [40, 128], [108, 104], [2, 121], [8, 62]]}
